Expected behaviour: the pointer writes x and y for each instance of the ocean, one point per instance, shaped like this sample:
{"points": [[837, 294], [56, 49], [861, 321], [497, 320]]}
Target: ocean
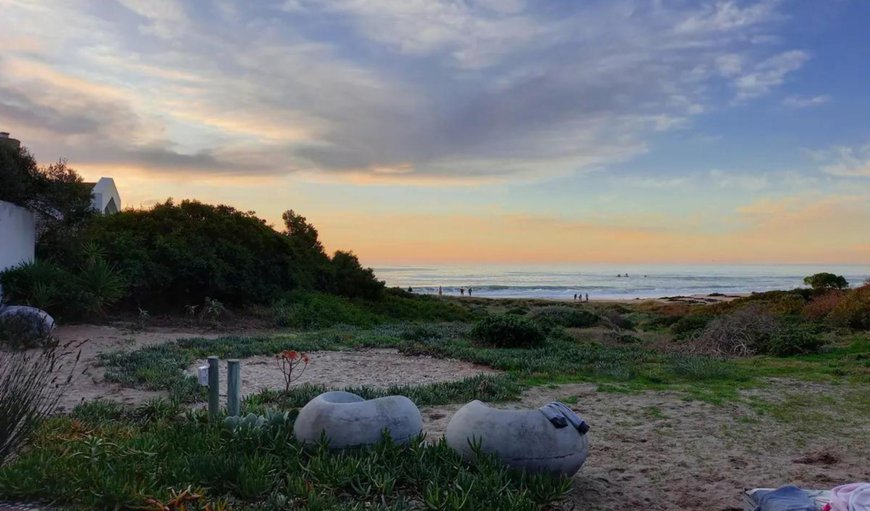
{"points": [[603, 282]]}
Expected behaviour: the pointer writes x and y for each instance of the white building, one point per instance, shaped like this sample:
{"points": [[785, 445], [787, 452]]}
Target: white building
{"points": [[104, 196]]}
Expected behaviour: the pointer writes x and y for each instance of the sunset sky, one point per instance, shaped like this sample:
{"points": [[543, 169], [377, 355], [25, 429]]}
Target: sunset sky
{"points": [[478, 131]]}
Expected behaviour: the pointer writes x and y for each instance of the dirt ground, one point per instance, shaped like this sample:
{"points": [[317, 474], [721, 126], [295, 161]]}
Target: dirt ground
{"points": [[652, 450], [88, 383], [658, 451], [374, 367]]}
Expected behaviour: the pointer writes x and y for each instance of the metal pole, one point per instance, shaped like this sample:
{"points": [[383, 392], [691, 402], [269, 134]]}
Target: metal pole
{"points": [[214, 382], [234, 387]]}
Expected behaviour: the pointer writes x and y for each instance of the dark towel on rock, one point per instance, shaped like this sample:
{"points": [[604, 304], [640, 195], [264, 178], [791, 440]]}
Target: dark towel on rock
{"points": [[786, 498]]}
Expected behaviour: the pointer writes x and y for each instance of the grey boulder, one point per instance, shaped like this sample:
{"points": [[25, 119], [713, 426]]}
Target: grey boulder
{"points": [[529, 440], [28, 321], [347, 420]]}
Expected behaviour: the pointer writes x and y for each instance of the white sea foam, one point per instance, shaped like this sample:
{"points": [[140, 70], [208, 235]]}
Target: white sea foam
{"points": [[601, 281]]}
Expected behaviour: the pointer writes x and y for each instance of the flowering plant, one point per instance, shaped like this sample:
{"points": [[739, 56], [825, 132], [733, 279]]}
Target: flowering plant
{"points": [[288, 360]]}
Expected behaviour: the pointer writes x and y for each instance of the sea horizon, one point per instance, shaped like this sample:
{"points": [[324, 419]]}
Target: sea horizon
{"points": [[607, 280]]}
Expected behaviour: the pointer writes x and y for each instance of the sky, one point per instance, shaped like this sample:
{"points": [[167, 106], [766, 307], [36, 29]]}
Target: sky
{"points": [[476, 131]]}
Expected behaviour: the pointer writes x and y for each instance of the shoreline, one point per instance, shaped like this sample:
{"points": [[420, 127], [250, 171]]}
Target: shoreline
{"points": [[693, 298]]}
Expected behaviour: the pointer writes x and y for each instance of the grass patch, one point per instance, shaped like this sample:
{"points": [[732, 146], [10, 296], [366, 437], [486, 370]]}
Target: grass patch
{"points": [[100, 458], [308, 310], [560, 359]]}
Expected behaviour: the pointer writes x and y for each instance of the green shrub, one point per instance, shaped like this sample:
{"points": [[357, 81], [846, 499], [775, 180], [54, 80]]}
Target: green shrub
{"points": [[39, 284], [689, 324], [309, 310], [88, 290], [508, 331], [568, 317], [792, 339], [616, 320]]}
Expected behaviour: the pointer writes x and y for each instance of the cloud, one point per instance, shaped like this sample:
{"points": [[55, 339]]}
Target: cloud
{"points": [[413, 91], [800, 102], [844, 161], [768, 74], [748, 182]]}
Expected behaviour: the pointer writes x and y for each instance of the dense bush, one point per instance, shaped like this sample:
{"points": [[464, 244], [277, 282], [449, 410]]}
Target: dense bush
{"points": [[508, 331], [178, 254], [820, 307], [853, 309], [690, 324], [569, 317]]}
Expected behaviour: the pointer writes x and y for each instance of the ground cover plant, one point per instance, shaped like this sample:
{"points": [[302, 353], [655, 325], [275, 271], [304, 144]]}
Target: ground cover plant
{"points": [[94, 459]]}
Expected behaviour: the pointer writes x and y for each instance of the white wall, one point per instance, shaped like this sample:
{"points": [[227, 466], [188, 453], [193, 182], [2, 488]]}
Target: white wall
{"points": [[17, 235]]}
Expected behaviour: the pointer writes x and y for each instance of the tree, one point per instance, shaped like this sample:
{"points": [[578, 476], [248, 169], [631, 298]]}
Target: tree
{"points": [[351, 279], [56, 193], [297, 227], [826, 280]]}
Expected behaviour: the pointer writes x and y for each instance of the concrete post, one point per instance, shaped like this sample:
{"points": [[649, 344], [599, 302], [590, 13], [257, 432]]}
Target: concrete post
{"points": [[234, 387], [214, 382]]}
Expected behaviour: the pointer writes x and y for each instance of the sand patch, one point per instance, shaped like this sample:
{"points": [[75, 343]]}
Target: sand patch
{"points": [[88, 381], [657, 451], [379, 368]]}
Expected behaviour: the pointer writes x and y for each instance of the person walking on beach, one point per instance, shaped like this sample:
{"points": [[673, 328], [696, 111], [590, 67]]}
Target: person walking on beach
{"points": [[461, 291], [575, 297], [469, 291], [439, 290], [587, 297]]}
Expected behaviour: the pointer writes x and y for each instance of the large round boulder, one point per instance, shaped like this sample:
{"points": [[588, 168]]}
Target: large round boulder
{"points": [[27, 324], [347, 420], [551, 439]]}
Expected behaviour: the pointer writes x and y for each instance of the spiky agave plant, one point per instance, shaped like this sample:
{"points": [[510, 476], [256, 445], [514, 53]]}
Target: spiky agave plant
{"points": [[31, 383]]}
